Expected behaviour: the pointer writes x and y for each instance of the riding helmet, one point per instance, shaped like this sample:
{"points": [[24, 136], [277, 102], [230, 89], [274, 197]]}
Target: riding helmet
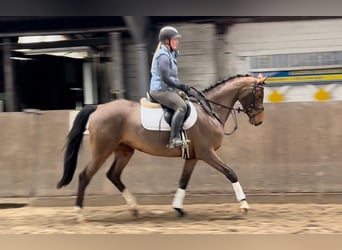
{"points": [[167, 33]]}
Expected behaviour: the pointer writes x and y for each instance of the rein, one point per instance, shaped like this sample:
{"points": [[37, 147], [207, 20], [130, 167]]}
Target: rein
{"points": [[205, 103], [238, 109], [234, 111]]}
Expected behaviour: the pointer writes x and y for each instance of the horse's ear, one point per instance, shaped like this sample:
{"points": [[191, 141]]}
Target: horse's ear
{"points": [[261, 79]]}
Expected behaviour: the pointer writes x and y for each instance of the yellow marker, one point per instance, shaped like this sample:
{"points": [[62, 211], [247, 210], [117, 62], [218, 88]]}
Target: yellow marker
{"points": [[275, 96], [322, 95], [310, 78]]}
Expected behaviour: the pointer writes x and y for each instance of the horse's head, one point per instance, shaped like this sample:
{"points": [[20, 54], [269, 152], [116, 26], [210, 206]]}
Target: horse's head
{"points": [[252, 98]]}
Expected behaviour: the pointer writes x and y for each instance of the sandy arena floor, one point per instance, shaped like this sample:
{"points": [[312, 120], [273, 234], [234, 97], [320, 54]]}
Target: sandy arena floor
{"points": [[223, 218]]}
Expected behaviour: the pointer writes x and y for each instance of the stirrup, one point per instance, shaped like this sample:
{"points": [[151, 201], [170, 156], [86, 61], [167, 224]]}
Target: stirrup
{"points": [[177, 142]]}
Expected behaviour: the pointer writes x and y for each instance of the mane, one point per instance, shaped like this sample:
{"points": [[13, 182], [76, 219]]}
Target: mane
{"points": [[220, 82]]}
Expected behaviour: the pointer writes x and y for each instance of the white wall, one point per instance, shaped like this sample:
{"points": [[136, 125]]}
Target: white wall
{"points": [[244, 40], [204, 59]]}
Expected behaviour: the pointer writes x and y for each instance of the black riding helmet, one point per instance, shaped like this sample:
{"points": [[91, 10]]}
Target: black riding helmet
{"points": [[167, 33]]}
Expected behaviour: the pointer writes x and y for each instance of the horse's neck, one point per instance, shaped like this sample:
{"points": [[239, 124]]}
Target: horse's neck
{"points": [[227, 95]]}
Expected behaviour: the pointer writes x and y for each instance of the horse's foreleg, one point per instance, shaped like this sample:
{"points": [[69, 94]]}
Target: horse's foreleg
{"points": [[122, 155], [177, 203], [213, 160]]}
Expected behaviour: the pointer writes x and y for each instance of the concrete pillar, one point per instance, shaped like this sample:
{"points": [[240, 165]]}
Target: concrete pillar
{"points": [[138, 27], [89, 83], [220, 57], [10, 90], [143, 75], [117, 87], [2, 108]]}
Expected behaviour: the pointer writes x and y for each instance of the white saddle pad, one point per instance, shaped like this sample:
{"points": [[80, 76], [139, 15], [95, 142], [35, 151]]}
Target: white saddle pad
{"points": [[152, 116]]}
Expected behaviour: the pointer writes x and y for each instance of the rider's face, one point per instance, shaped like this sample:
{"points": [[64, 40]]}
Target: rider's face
{"points": [[174, 43]]}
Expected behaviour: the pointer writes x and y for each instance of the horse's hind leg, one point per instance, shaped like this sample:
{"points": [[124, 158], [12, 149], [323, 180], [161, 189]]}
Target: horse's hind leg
{"points": [[177, 203], [122, 156], [84, 178]]}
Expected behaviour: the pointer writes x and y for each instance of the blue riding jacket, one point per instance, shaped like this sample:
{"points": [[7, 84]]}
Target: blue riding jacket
{"points": [[164, 70]]}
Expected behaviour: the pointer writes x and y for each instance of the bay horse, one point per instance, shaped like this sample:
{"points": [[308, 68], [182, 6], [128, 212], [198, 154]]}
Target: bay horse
{"points": [[115, 127]]}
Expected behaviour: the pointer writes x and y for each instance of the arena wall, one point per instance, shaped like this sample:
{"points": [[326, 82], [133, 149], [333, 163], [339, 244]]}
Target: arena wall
{"points": [[296, 149]]}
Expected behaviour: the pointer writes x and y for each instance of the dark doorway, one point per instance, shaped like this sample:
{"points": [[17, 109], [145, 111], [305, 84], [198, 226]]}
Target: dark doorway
{"points": [[49, 82]]}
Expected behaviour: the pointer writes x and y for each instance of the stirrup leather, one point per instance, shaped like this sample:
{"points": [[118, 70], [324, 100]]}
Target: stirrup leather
{"points": [[185, 146]]}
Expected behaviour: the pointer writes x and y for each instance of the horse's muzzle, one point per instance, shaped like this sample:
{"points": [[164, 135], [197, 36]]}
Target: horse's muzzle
{"points": [[257, 119], [258, 123]]}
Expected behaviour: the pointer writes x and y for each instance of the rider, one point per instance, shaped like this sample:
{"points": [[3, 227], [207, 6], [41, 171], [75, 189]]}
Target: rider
{"points": [[164, 81]]}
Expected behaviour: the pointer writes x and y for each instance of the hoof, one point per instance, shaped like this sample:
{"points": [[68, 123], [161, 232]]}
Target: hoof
{"points": [[244, 210], [81, 220], [180, 211], [244, 206], [135, 212], [79, 216]]}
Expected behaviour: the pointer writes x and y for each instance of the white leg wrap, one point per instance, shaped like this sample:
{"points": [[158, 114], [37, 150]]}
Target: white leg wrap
{"points": [[130, 199], [238, 191], [178, 199], [79, 215]]}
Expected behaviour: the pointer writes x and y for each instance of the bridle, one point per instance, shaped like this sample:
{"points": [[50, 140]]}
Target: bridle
{"points": [[252, 108]]}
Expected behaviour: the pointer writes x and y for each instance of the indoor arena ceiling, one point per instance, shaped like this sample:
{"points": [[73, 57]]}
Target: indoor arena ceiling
{"points": [[92, 31], [12, 26]]}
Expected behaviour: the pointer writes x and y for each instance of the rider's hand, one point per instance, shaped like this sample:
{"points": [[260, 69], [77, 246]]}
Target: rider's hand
{"points": [[184, 87], [191, 92]]}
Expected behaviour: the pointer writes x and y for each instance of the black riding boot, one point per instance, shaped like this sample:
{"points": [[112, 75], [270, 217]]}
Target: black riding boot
{"points": [[176, 123]]}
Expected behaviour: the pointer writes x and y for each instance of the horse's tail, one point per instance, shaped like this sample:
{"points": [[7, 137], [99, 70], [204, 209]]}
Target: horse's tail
{"points": [[73, 144]]}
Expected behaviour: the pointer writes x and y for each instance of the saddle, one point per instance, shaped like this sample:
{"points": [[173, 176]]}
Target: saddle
{"points": [[154, 116]]}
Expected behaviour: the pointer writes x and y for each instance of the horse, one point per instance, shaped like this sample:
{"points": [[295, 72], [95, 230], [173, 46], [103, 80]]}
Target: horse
{"points": [[116, 127]]}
